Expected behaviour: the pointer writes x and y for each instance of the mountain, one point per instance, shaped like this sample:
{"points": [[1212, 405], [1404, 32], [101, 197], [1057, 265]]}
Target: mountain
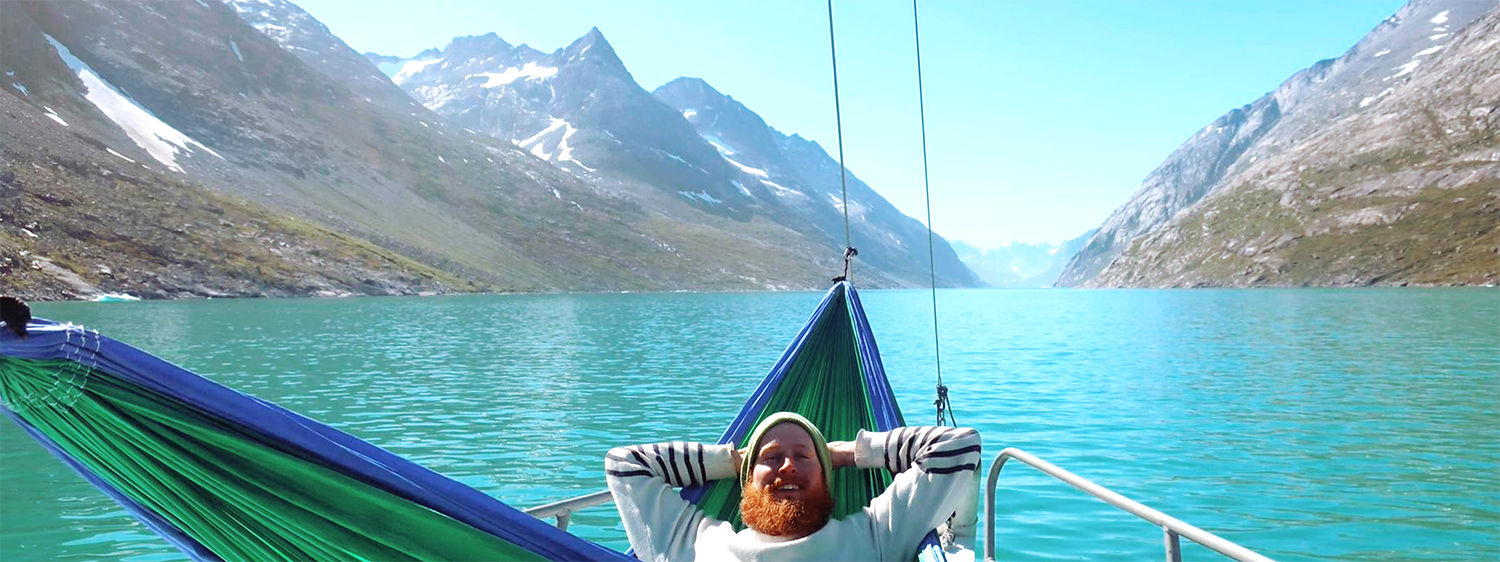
{"points": [[79, 219], [1402, 191], [1020, 264], [93, 198], [580, 109], [1319, 110], [796, 182], [255, 111]]}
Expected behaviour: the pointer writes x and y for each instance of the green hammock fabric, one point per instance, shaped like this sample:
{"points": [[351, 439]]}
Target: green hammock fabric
{"points": [[245, 499], [825, 384]]}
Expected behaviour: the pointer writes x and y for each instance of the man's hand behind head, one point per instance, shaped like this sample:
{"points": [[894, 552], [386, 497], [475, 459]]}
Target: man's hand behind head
{"points": [[841, 453]]}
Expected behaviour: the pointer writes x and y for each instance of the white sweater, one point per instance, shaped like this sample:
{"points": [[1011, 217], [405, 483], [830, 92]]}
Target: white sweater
{"points": [[932, 465]]}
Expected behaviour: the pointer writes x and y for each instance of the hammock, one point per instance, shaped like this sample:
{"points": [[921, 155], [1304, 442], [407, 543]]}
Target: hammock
{"points": [[226, 476], [831, 375]]}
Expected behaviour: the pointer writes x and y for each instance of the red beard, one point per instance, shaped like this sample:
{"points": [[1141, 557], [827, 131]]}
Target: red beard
{"points": [[784, 518]]}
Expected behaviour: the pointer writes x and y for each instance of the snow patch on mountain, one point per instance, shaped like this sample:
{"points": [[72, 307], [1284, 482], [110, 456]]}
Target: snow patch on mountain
{"points": [[277, 32], [159, 139], [531, 71], [1428, 51], [670, 155], [1404, 69], [1441, 18], [746, 169], [53, 116], [122, 156], [565, 152], [701, 196], [410, 68], [539, 143], [555, 125], [781, 190]]}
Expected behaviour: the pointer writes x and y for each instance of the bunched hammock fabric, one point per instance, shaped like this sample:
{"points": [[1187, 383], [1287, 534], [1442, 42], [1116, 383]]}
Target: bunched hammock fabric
{"points": [[227, 476]]}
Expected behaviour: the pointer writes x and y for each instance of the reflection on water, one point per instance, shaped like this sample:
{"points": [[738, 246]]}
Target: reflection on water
{"points": [[1308, 424]]}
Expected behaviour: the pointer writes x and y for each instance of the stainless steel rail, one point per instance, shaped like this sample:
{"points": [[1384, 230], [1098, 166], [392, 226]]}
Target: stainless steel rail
{"points": [[563, 510], [1171, 528]]}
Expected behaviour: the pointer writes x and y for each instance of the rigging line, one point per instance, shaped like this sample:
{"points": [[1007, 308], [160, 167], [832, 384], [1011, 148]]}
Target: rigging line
{"points": [[942, 402], [927, 189], [839, 120]]}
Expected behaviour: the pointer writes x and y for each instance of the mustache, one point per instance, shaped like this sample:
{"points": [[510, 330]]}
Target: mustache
{"points": [[784, 517]]}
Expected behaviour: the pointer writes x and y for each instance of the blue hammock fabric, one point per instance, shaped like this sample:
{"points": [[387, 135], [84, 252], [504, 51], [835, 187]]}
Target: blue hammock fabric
{"points": [[346, 454], [290, 431]]}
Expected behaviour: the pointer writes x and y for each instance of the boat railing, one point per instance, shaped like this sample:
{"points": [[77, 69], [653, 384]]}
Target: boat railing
{"points": [[1171, 528], [563, 510]]}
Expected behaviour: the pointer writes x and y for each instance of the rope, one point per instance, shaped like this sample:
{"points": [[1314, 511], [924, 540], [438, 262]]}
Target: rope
{"points": [[942, 391], [839, 120]]}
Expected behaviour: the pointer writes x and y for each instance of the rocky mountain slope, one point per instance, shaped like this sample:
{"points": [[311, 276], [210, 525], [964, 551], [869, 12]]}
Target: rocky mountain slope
{"points": [[1020, 265], [579, 108], [1401, 187], [79, 219], [1237, 146], [310, 134]]}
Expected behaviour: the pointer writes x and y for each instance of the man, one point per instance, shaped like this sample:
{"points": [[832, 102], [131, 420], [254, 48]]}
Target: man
{"points": [[785, 473]]}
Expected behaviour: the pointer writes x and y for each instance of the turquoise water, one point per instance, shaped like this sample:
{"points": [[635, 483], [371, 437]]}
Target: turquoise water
{"points": [[1305, 424]]}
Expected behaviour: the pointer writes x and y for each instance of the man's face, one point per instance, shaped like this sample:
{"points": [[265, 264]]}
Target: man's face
{"points": [[787, 494], [787, 464]]}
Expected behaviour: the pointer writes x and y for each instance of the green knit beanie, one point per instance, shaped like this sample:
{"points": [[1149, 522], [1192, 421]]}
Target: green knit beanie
{"points": [[747, 464]]}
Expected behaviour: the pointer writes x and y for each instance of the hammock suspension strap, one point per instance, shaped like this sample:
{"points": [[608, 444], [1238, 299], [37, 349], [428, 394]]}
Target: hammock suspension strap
{"points": [[838, 119], [943, 407], [849, 253]]}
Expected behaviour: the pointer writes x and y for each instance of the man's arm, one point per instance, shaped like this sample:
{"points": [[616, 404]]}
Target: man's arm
{"points": [[659, 523], [932, 466]]}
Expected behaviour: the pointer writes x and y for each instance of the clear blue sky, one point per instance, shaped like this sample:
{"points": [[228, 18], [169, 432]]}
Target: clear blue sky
{"points": [[1042, 116]]}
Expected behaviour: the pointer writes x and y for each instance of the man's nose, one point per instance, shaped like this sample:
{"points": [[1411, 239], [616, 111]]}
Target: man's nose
{"points": [[787, 467]]}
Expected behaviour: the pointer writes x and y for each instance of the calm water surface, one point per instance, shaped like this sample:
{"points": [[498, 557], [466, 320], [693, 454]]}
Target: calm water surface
{"points": [[1306, 424]]}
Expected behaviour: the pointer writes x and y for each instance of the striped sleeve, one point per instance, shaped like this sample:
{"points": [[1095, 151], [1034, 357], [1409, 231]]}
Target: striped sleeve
{"points": [[933, 467], [933, 449], [659, 523], [679, 464]]}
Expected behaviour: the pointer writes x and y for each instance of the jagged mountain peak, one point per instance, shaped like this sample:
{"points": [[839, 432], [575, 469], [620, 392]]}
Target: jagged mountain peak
{"points": [[692, 91], [594, 36], [690, 82], [593, 48], [472, 45], [579, 109]]}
